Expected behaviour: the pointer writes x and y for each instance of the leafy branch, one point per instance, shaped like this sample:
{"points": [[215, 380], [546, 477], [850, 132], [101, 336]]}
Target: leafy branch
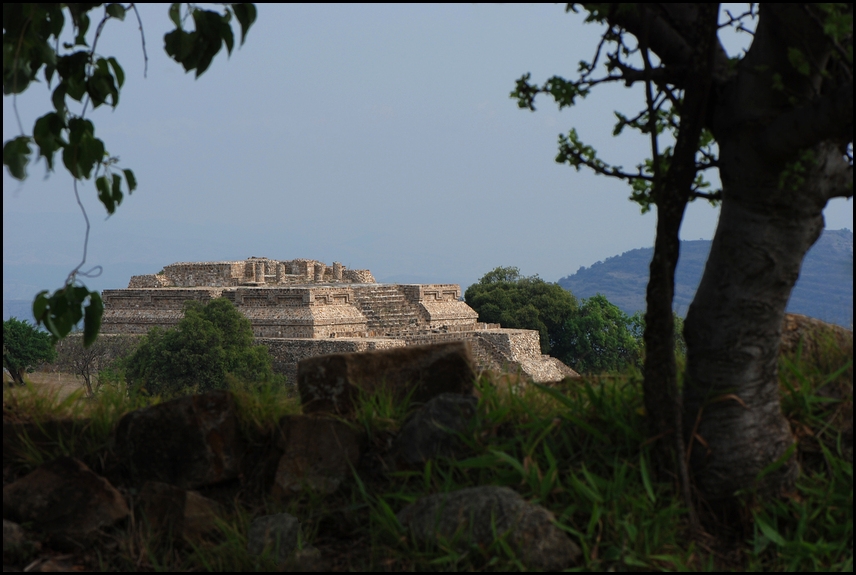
{"points": [[31, 43]]}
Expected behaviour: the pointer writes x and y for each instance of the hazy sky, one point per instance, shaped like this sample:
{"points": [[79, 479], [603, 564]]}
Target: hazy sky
{"points": [[379, 136]]}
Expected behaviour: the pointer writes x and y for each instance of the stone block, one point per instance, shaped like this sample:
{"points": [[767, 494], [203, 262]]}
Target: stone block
{"points": [[479, 514], [318, 453], [65, 499], [175, 511], [331, 383], [279, 533], [188, 442], [431, 430]]}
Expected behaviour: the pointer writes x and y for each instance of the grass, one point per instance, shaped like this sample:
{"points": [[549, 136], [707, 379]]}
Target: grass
{"points": [[573, 448]]}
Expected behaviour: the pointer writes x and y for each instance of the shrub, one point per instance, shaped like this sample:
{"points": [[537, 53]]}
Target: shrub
{"points": [[210, 342]]}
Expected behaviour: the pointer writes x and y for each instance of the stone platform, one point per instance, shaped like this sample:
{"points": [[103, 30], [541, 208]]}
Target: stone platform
{"points": [[300, 308]]}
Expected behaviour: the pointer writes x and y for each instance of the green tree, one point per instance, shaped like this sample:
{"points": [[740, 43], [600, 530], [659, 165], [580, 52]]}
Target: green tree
{"points": [[505, 297], [777, 123], [637, 329], [600, 338], [25, 347], [31, 44], [88, 362], [209, 343]]}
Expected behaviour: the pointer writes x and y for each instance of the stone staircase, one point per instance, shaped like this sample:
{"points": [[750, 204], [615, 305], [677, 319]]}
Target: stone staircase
{"points": [[386, 309]]}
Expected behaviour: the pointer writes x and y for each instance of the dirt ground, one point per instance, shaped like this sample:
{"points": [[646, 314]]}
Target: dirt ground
{"points": [[62, 383]]}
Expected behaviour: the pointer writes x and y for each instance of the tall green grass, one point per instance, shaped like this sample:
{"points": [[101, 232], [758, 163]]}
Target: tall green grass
{"points": [[577, 448]]}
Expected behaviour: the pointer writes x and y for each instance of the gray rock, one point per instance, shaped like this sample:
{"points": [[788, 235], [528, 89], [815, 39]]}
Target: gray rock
{"points": [[189, 442], [278, 532], [65, 499], [330, 383], [473, 515], [317, 452], [183, 514], [430, 431]]}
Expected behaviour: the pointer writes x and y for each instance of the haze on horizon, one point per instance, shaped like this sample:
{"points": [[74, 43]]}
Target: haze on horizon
{"points": [[379, 136]]}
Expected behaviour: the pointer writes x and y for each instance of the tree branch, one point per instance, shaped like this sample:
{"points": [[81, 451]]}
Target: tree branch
{"points": [[837, 174], [829, 117], [672, 48]]}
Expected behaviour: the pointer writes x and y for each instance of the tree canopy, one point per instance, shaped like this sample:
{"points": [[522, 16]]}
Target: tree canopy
{"points": [[505, 297], [210, 343], [600, 339], [24, 347], [31, 45]]}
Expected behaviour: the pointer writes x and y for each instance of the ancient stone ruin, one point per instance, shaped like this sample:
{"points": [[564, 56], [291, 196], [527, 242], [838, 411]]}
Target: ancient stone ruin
{"points": [[303, 308]]}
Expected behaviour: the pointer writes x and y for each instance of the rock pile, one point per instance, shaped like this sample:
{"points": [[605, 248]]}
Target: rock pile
{"points": [[162, 456]]}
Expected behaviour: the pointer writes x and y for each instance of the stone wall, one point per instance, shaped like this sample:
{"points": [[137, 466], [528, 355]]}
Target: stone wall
{"points": [[285, 353], [139, 310], [303, 307]]}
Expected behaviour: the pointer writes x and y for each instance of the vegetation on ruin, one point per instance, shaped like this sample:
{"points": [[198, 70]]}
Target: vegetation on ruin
{"points": [[211, 343], [590, 335], [577, 448]]}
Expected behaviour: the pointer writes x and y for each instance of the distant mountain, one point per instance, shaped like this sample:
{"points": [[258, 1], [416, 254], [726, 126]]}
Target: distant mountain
{"points": [[824, 289]]}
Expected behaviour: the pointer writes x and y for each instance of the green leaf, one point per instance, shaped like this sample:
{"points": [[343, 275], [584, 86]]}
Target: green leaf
{"points": [[646, 479], [175, 14], [769, 531], [778, 462], [116, 11], [40, 304], [104, 194], [227, 35], [799, 61], [117, 189], [47, 133], [16, 156], [246, 15], [92, 318], [132, 181], [58, 99], [117, 71]]}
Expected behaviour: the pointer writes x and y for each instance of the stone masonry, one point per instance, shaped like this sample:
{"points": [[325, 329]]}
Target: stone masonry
{"points": [[301, 308]]}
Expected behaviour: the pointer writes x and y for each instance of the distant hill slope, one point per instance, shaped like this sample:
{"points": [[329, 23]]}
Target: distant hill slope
{"points": [[824, 289]]}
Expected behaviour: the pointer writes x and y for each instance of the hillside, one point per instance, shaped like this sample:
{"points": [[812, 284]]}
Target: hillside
{"points": [[824, 289]]}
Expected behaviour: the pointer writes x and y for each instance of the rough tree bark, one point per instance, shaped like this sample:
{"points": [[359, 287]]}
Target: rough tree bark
{"points": [[782, 134], [767, 224], [671, 194]]}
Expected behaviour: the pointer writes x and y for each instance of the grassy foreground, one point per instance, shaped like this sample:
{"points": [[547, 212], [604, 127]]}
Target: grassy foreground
{"points": [[576, 448]]}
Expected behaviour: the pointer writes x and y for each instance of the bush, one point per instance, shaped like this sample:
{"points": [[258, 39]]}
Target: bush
{"points": [[505, 297], [600, 338], [210, 342], [25, 347]]}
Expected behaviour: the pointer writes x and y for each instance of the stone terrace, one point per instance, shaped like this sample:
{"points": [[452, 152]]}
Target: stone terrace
{"points": [[299, 308]]}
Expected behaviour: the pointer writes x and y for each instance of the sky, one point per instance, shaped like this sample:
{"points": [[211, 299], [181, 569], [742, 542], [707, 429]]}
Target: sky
{"points": [[382, 137]]}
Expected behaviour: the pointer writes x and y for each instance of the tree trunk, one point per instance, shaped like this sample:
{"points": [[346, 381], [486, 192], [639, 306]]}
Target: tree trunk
{"points": [[733, 328], [660, 371], [782, 133]]}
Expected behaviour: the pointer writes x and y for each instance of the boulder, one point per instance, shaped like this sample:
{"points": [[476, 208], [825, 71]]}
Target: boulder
{"points": [[279, 533], [172, 510], [331, 383], [65, 499], [814, 335], [431, 430], [317, 452], [188, 442], [478, 515], [16, 547]]}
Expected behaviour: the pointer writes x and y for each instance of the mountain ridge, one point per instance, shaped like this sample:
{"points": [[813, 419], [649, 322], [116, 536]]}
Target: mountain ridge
{"points": [[824, 289]]}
